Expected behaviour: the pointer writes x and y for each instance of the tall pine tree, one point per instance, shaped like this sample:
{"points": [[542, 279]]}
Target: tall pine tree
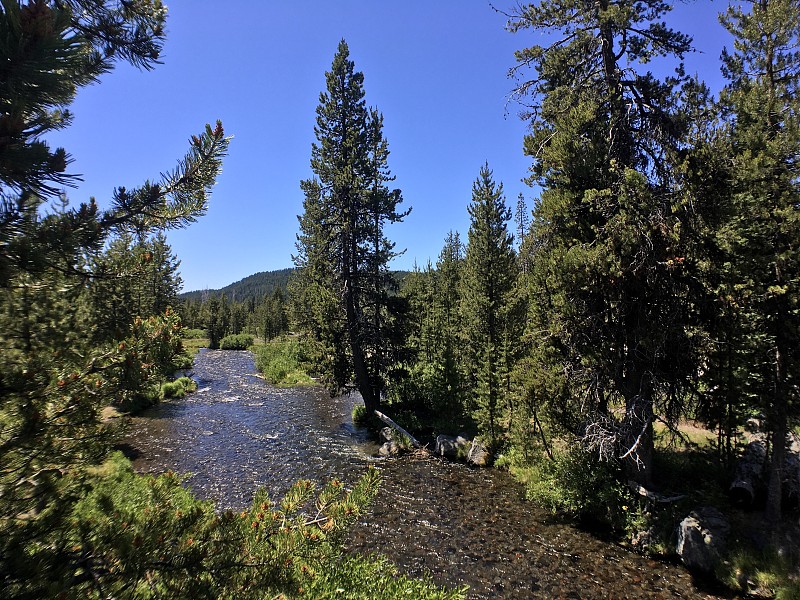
{"points": [[341, 292], [763, 101], [488, 277]]}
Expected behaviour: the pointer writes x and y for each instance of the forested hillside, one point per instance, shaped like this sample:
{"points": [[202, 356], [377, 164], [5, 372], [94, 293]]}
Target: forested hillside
{"points": [[252, 287]]}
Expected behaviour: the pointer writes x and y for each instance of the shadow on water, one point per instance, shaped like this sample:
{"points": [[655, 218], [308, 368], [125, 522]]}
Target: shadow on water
{"points": [[466, 526]]}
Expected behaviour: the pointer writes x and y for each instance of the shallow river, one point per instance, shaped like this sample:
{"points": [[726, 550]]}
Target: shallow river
{"points": [[464, 525]]}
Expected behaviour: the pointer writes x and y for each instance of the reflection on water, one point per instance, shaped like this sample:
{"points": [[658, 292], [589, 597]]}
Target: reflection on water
{"points": [[465, 525]]}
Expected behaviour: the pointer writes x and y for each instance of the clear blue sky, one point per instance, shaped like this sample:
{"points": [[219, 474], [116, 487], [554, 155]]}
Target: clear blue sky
{"points": [[436, 69]]}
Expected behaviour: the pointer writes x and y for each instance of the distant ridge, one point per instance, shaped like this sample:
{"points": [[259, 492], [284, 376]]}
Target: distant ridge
{"points": [[254, 286], [258, 285]]}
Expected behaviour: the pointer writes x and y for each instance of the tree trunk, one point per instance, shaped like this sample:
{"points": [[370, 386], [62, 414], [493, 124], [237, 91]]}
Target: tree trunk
{"points": [[779, 428], [637, 449], [360, 372]]}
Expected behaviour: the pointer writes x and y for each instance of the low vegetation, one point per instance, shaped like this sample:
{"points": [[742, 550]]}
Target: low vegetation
{"points": [[153, 538], [192, 333], [240, 341], [283, 363], [178, 388], [192, 346]]}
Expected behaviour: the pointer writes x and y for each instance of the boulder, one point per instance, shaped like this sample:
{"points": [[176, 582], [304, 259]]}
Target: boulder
{"points": [[446, 446], [702, 538], [479, 454], [390, 448]]}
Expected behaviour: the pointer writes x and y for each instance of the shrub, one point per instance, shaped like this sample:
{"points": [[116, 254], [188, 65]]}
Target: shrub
{"points": [[577, 484], [282, 363], [178, 388], [359, 415], [182, 361], [156, 540], [240, 341]]}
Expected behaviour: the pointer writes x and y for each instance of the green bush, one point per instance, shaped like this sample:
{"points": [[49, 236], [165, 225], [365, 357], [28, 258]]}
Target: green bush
{"points": [[577, 484], [182, 361], [282, 363], [178, 388], [240, 341], [359, 415]]}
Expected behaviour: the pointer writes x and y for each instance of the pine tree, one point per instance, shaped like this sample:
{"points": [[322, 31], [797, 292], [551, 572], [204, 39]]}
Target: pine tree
{"points": [[54, 377], [132, 278], [762, 98], [341, 291], [488, 277], [49, 51], [449, 269], [436, 378], [608, 296]]}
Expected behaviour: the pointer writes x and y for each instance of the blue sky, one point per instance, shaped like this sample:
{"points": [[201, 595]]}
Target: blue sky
{"points": [[437, 69]]}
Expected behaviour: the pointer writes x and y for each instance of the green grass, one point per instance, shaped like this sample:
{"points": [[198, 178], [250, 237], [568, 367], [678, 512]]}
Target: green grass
{"points": [[764, 573], [282, 363], [192, 345]]}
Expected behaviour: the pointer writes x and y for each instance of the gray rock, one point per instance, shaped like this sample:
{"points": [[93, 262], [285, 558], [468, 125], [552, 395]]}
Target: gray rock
{"points": [[702, 538], [479, 454], [446, 446], [390, 448]]}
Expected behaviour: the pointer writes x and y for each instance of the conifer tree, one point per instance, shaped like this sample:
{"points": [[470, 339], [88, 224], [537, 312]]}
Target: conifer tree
{"points": [[449, 269], [763, 100], [608, 309], [343, 254], [437, 379], [488, 277], [54, 377], [132, 278]]}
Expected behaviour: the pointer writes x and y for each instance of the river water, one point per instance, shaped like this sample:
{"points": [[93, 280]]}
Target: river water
{"points": [[464, 525]]}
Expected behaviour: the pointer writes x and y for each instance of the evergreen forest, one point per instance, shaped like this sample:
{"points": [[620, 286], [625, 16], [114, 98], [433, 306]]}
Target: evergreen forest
{"points": [[622, 344]]}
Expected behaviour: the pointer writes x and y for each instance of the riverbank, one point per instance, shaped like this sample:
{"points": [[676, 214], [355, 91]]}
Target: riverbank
{"points": [[464, 525]]}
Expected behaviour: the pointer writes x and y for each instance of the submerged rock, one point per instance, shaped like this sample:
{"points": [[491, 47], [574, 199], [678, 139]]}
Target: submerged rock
{"points": [[702, 538]]}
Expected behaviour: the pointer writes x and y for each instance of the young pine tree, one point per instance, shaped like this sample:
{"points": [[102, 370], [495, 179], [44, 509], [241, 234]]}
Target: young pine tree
{"points": [[488, 277]]}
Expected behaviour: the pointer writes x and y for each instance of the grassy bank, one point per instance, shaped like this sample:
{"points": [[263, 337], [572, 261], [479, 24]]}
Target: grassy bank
{"points": [[282, 362]]}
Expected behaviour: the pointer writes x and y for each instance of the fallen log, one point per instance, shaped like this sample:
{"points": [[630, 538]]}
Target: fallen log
{"points": [[748, 480], [392, 424], [654, 496]]}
